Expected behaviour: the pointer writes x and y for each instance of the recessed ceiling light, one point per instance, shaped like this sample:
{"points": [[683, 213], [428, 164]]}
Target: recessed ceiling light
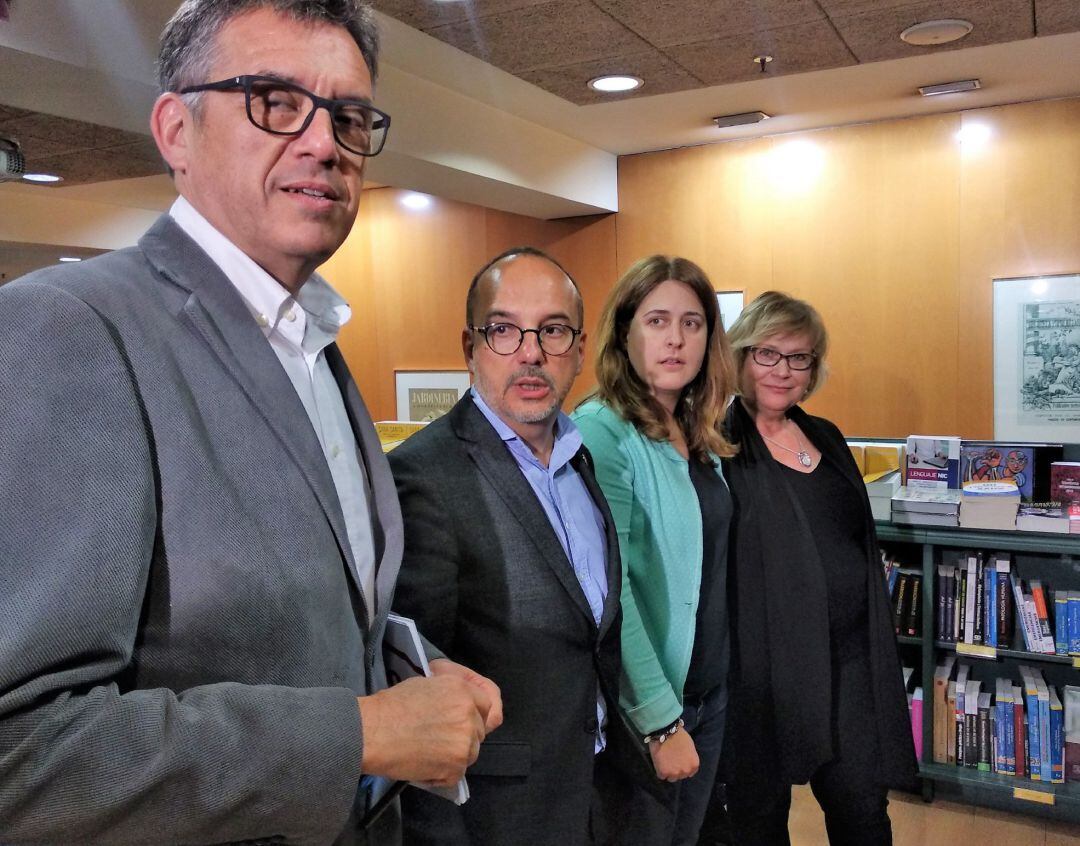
{"points": [[741, 119], [957, 87], [615, 83], [42, 177], [69, 258], [930, 33]]}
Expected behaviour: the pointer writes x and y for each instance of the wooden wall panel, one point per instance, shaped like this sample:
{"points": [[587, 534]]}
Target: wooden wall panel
{"points": [[894, 232], [406, 272]]}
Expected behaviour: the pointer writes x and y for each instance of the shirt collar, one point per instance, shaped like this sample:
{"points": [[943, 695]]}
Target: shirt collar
{"points": [[266, 298], [567, 436]]}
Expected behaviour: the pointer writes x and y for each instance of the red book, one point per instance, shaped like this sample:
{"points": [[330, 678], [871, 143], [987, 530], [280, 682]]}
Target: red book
{"points": [[1019, 732]]}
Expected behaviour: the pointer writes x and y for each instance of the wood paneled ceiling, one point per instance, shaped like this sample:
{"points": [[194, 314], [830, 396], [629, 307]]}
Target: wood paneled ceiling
{"points": [[678, 45]]}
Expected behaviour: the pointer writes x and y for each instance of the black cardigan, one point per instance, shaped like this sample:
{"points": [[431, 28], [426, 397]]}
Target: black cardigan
{"points": [[781, 696]]}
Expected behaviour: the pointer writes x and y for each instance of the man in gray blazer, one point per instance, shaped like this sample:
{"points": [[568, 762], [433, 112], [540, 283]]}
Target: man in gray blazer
{"points": [[512, 567], [199, 534]]}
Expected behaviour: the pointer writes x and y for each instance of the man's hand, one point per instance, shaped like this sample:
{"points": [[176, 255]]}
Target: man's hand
{"points": [[676, 758], [444, 666], [423, 729]]}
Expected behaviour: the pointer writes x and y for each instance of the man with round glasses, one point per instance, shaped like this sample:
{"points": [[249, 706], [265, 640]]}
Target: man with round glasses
{"points": [[511, 567], [199, 532]]}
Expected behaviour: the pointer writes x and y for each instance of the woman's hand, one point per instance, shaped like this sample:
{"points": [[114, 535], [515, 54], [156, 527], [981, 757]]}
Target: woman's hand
{"points": [[676, 758]]}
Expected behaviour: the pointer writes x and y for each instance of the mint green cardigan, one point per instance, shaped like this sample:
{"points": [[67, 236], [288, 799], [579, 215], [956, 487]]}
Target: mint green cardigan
{"points": [[658, 520]]}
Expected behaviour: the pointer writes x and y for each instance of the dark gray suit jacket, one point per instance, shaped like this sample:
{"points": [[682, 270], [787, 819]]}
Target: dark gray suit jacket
{"points": [[182, 637], [487, 580]]}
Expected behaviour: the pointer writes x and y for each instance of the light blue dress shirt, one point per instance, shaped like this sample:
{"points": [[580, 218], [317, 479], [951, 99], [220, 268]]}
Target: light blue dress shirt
{"points": [[574, 517]]}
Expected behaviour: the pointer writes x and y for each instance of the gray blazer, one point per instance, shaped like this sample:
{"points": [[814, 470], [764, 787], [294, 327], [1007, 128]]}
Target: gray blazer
{"points": [[486, 578], [182, 637]]}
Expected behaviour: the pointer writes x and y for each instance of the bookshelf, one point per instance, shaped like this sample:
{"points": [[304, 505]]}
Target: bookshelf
{"points": [[1055, 558]]}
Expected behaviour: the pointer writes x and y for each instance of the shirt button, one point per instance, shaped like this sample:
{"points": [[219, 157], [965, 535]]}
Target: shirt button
{"points": [[290, 315], [262, 320], [335, 451], [591, 726]]}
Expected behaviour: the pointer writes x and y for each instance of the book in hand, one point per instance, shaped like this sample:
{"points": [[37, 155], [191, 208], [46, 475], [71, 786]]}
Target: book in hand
{"points": [[404, 654]]}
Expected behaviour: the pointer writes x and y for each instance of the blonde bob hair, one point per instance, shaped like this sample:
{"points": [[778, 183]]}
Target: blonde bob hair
{"points": [[700, 409], [776, 313]]}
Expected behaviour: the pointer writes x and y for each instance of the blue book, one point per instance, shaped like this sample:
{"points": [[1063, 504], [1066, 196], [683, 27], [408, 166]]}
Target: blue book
{"points": [[990, 604], [1045, 751], [1061, 622], [1074, 622], [1031, 703], [1057, 739]]}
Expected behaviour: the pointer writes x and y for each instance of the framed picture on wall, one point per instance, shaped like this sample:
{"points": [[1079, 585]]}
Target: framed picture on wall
{"points": [[731, 303], [423, 395], [1037, 358]]}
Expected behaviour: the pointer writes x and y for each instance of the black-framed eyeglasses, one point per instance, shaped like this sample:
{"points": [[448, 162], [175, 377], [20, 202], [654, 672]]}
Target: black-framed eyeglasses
{"points": [[507, 338], [281, 108], [768, 357]]}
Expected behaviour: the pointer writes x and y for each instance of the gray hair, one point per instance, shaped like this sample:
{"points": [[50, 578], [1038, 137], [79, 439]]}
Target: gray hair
{"points": [[189, 38]]}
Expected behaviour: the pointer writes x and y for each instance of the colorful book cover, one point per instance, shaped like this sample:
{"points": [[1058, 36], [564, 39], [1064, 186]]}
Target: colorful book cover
{"points": [[1071, 704], [984, 736], [1057, 739], [1061, 622], [989, 461], [933, 462]]}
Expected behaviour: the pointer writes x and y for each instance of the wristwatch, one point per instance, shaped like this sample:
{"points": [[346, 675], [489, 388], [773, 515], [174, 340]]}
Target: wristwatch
{"points": [[663, 734]]}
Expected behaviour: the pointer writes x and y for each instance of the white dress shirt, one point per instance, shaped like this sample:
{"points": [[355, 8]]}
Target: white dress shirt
{"points": [[299, 329]]}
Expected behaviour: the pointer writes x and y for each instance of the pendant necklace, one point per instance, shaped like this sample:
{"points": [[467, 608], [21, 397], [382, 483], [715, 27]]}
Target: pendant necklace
{"points": [[804, 457]]}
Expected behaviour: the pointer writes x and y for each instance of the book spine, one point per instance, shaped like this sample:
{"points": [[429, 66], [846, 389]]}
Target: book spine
{"points": [[917, 722], [1061, 622], [1044, 737], [1019, 734], [1010, 734], [1004, 603], [940, 626], [1031, 702], [1074, 622], [1018, 596], [911, 627], [900, 601], [1057, 742], [984, 735], [950, 723], [959, 717], [991, 606], [950, 607], [970, 595], [1046, 636], [977, 631]]}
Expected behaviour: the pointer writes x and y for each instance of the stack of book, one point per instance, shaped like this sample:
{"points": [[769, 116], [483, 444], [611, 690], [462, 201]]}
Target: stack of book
{"points": [[1043, 518], [881, 491], [989, 505], [924, 507]]}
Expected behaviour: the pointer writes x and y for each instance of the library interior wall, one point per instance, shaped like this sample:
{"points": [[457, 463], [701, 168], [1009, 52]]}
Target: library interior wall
{"points": [[893, 230]]}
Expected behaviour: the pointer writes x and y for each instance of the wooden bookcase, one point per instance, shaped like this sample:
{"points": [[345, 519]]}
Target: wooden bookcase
{"points": [[1053, 558]]}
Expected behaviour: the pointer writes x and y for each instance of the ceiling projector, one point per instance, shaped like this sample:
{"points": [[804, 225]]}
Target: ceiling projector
{"points": [[12, 163]]}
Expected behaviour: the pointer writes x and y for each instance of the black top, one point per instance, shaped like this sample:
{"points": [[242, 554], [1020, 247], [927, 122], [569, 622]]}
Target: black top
{"points": [[833, 508], [709, 660]]}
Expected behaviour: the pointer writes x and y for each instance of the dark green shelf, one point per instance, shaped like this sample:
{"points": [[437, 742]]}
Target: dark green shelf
{"points": [[1042, 542], [1011, 653], [1000, 790]]}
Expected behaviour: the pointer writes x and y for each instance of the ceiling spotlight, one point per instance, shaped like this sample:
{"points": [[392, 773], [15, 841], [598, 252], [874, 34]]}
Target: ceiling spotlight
{"points": [[762, 60], [741, 119], [613, 84], [957, 87], [931, 33], [42, 177]]}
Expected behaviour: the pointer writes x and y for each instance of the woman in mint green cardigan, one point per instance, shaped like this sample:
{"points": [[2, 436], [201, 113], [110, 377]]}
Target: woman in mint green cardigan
{"points": [[665, 375]]}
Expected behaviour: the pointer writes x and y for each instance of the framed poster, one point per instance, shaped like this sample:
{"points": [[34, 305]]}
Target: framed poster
{"points": [[423, 395], [731, 303], [1037, 358]]}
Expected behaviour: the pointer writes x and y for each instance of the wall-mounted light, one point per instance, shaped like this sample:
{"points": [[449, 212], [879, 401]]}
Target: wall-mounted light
{"points": [[795, 166], [615, 83], [973, 136], [415, 201]]}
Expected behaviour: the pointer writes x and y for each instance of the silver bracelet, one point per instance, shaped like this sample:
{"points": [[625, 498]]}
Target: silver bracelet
{"points": [[664, 733]]}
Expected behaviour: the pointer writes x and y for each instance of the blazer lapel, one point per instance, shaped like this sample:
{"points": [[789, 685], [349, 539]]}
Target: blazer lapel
{"points": [[494, 461], [386, 521], [214, 311], [582, 462]]}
